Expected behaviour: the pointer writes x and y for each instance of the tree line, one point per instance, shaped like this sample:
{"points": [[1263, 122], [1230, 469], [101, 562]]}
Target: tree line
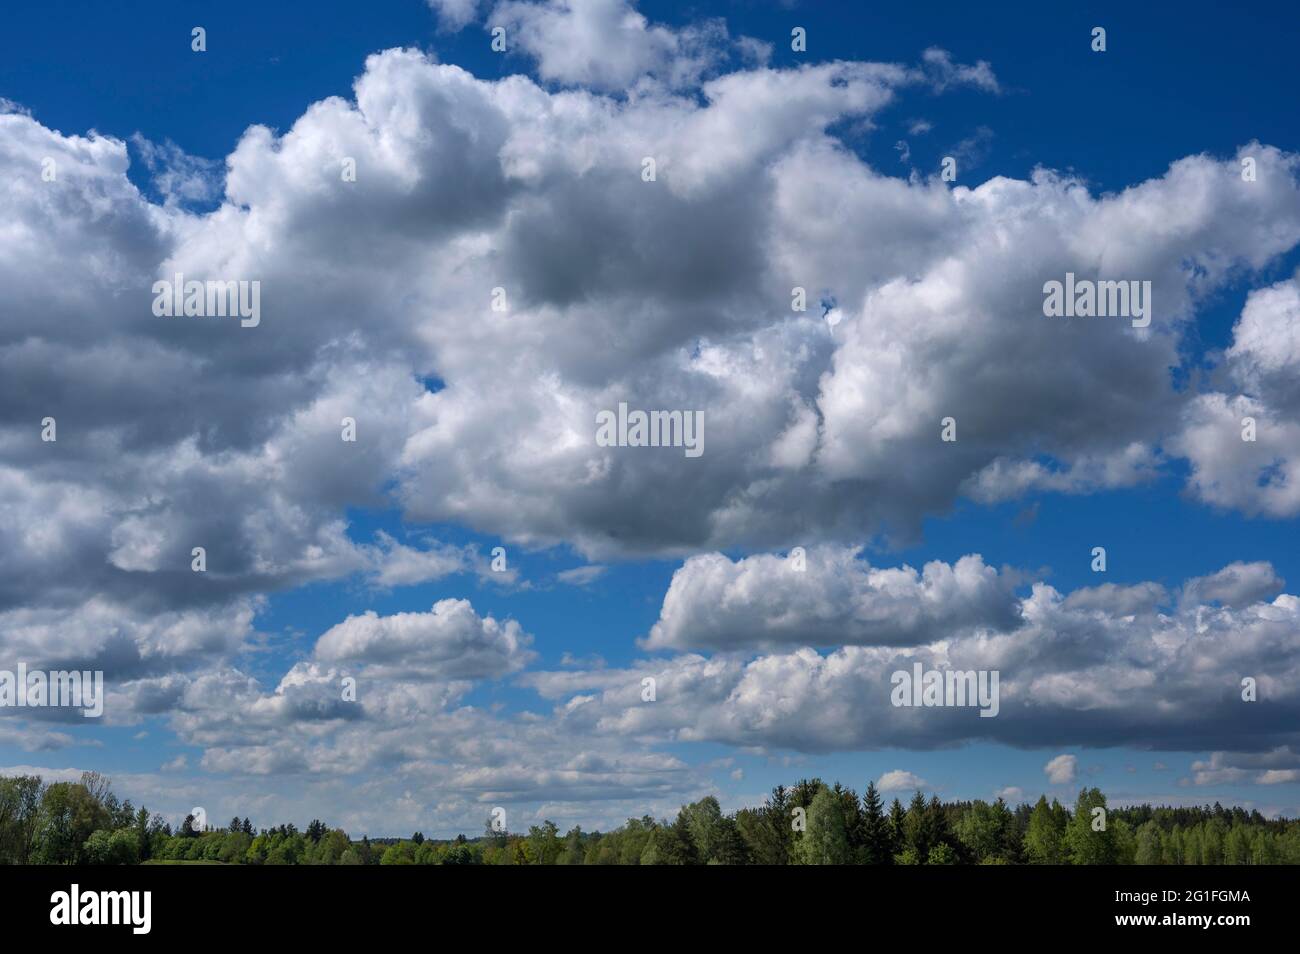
{"points": [[83, 823]]}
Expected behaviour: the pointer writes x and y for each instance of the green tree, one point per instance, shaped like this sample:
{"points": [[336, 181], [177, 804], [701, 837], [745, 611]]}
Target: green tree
{"points": [[402, 853], [544, 843], [767, 830], [826, 841], [980, 831], [704, 822], [729, 847], [575, 849], [897, 828], [1086, 844], [916, 828], [876, 840], [69, 814], [1148, 847], [1045, 835], [942, 854], [20, 816]]}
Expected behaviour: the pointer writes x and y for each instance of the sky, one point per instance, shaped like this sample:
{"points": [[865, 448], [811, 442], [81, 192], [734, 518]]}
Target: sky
{"points": [[357, 648]]}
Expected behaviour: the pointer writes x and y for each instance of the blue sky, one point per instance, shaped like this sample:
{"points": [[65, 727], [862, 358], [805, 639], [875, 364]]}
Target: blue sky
{"points": [[1204, 83]]}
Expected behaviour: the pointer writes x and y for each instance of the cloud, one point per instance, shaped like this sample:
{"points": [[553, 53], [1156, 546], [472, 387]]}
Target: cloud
{"points": [[457, 179], [837, 598], [1238, 584], [1062, 769], [607, 44], [1259, 475], [454, 15], [178, 176], [1076, 670], [943, 72], [1276, 767], [450, 642], [900, 781], [582, 575]]}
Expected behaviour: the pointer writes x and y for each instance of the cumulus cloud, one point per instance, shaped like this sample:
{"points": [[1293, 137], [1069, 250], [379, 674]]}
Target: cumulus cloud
{"points": [[1241, 441], [1099, 667], [900, 781], [454, 15], [1238, 584], [451, 642], [1276, 767], [1062, 769], [827, 596], [607, 44], [373, 286]]}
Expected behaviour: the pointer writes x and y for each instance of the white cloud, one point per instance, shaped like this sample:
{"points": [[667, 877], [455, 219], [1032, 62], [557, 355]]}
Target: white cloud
{"points": [[607, 44], [582, 575], [451, 641], [1262, 366], [900, 781], [454, 14], [1062, 769], [838, 598]]}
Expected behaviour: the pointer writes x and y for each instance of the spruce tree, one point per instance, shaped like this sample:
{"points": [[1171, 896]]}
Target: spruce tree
{"points": [[877, 846]]}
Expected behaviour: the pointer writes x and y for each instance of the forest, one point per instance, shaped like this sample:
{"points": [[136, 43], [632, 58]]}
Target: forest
{"points": [[810, 823]]}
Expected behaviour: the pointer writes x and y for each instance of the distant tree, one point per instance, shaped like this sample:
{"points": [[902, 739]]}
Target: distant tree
{"points": [[917, 829], [330, 849], [575, 851], [1085, 844], [704, 825], [876, 847], [69, 814], [670, 844], [767, 830], [144, 844], [940, 832], [730, 848], [897, 828], [1148, 848], [942, 854], [851, 808], [1045, 836], [983, 831], [20, 817], [826, 841], [544, 845]]}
